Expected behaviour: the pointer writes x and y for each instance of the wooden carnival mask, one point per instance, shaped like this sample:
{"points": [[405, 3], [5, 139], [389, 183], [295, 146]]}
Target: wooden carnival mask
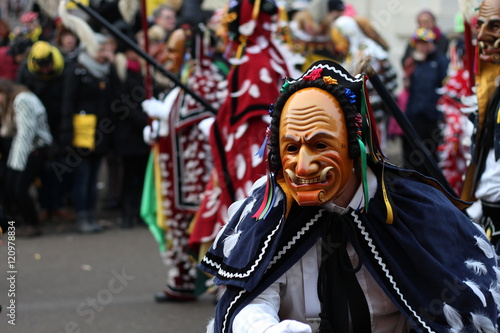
{"points": [[176, 48], [489, 31], [314, 147]]}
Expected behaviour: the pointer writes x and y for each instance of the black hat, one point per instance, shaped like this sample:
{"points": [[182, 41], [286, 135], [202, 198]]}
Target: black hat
{"points": [[327, 68], [19, 46], [335, 5], [125, 29]]}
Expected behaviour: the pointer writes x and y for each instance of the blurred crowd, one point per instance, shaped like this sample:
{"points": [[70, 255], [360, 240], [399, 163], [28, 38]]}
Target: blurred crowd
{"points": [[173, 106], [75, 97]]}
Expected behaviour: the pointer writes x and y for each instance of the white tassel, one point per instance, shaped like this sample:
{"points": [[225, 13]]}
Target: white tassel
{"points": [[476, 266], [210, 326], [121, 66], [453, 318], [230, 242], [475, 288], [482, 323], [495, 294], [485, 246]]}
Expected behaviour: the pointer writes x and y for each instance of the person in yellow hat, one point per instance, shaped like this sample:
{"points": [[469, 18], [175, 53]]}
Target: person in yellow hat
{"points": [[45, 61]]}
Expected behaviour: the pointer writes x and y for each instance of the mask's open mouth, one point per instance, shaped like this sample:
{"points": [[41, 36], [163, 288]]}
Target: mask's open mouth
{"points": [[298, 181], [488, 48]]}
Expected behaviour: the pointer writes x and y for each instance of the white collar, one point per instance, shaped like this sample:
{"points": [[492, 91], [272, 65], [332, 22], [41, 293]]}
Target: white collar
{"points": [[358, 199]]}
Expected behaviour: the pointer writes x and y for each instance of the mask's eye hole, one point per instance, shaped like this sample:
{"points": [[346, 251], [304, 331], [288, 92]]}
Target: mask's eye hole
{"points": [[320, 146], [292, 149]]}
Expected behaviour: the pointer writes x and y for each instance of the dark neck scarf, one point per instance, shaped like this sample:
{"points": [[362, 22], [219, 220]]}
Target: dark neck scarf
{"points": [[341, 297]]}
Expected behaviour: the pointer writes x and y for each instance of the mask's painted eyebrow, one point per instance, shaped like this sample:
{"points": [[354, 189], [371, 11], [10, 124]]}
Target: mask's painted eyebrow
{"points": [[319, 134]]}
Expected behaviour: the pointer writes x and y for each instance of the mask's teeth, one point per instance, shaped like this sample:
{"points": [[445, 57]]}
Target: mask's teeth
{"points": [[301, 181], [292, 176], [324, 173], [496, 44]]}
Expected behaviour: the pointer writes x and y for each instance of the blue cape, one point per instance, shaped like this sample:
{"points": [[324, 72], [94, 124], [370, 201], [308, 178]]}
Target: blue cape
{"points": [[433, 261]]}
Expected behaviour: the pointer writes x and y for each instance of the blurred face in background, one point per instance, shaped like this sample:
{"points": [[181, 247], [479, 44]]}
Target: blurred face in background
{"points": [[166, 19], [132, 55], [422, 49], [46, 68], [69, 42], [425, 20], [19, 58], [104, 53]]}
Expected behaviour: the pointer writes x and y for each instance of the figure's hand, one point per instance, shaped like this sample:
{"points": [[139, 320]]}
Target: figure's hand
{"points": [[150, 132], [289, 326], [154, 108]]}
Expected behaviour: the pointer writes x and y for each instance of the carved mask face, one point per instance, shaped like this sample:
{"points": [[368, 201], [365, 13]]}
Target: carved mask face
{"points": [[176, 46], [489, 31], [314, 147]]}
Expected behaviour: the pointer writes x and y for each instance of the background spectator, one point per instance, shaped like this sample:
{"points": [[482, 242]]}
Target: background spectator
{"points": [[11, 57], [24, 124], [67, 42], [85, 122], [30, 27], [425, 72], [427, 20], [165, 18]]}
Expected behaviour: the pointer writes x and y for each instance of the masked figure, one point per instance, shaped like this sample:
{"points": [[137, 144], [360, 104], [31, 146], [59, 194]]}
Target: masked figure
{"points": [[183, 159], [482, 181], [240, 126], [336, 239]]}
